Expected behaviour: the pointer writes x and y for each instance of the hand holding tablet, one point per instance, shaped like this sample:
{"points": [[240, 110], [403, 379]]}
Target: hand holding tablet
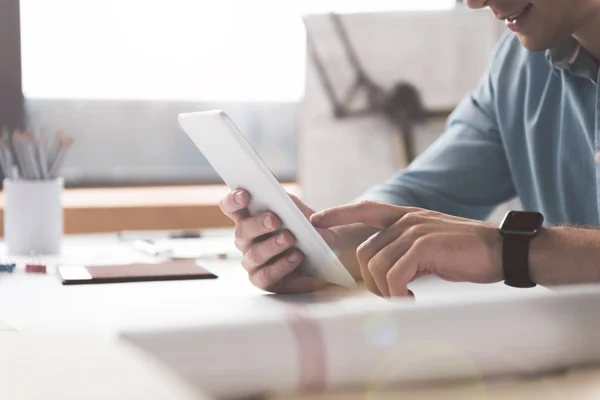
{"points": [[240, 167]]}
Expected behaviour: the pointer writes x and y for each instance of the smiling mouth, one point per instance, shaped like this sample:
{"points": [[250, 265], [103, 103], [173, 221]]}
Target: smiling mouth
{"points": [[515, 16]]}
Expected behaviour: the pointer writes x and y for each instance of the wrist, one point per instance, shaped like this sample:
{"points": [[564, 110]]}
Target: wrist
{"points": [[540, 255], [495, 245], [564, 255]]}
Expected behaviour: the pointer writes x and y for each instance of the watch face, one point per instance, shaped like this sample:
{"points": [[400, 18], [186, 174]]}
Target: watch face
{"points": [[522, 223]]}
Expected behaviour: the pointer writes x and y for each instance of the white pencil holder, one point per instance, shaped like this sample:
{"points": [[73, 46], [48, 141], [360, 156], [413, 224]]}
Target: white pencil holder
{"points": [[33, 216]]}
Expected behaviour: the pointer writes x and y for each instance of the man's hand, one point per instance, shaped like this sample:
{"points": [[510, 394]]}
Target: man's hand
{"points": [[413, 242], [269, 255]]}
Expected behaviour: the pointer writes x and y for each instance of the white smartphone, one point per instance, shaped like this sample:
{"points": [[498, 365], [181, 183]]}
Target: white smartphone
{"points": [[230, 154]]}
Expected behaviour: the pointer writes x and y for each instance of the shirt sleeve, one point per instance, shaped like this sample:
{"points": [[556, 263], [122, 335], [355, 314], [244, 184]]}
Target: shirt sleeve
{"points": [[465, 172]]}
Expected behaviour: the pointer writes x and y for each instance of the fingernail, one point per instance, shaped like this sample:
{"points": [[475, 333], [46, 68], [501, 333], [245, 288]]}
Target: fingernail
{"points": [[316, 217], [294, 258], [280, 240], [238, 197], [268, 222]]}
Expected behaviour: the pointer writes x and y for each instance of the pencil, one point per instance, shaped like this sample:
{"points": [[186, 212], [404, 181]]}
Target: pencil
{"points": [[20, 156], [33, 155], [5, 152], [40, 152], [7, 160], [3, 161], [60, 158], [30, 154], [54, 147], [9, 163]]}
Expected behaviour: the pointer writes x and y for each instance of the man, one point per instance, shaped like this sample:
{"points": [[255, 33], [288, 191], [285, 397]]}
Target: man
{"points": [[530, 129]]}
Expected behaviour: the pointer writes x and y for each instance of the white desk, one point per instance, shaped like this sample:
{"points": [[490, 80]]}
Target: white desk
{"points": [[30, 302]]}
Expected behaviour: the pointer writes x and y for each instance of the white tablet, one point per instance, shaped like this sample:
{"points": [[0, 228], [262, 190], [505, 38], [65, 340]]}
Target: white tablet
{"points": [[230, 154]]}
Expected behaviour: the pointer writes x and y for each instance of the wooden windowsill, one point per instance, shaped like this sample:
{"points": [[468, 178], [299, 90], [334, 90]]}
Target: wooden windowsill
{"points": [[143, 208]]}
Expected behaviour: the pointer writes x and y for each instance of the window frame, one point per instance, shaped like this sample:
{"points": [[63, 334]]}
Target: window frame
{"points": [[12, 114]]}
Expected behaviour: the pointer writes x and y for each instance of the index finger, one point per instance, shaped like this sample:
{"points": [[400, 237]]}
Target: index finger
{"points": [[377, 215]]}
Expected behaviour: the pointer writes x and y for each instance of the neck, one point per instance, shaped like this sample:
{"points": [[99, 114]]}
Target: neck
{"points": [[589, 33]]}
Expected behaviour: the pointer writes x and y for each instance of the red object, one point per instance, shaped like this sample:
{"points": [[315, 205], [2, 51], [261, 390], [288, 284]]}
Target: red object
{"points": [[35, 269]]}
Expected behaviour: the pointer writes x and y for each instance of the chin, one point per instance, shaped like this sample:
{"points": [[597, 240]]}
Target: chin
{"points": [[532, 43]]}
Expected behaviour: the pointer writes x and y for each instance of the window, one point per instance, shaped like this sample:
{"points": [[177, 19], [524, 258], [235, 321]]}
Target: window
{"points": [[115, 73]]}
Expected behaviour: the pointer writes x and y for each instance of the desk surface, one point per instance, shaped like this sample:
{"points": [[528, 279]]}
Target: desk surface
{"points": [[32, 302], [40, 302], [29, 301]]}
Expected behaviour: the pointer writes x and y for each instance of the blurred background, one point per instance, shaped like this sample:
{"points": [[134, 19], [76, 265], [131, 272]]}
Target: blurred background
{"points": [[114, 74], [302, 79]]}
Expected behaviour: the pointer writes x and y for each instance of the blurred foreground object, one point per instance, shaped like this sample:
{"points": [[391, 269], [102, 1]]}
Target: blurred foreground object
{"points": [[382, 345], [70, 367]]}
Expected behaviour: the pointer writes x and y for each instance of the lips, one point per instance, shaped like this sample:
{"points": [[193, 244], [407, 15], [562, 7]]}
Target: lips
{"points": [[514, 16]]}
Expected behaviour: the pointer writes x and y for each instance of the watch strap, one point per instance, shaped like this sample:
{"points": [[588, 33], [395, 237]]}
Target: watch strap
{"points": [[515, 259]]}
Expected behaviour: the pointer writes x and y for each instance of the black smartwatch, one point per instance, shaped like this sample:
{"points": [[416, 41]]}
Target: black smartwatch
{"points": [[517, 230]]}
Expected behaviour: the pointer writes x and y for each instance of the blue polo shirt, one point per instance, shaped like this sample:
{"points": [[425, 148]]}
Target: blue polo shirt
{"points": [[530, 129]]}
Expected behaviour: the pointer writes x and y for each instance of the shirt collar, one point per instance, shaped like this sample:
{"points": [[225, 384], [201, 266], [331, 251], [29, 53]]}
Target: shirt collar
{"points": [[571, 56]]}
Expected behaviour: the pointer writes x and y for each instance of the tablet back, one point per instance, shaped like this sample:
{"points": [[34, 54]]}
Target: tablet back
{"points": [[230, 154]]}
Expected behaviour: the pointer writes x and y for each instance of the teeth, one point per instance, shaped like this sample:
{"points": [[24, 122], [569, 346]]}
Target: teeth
{"points": [[515, 16]]}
